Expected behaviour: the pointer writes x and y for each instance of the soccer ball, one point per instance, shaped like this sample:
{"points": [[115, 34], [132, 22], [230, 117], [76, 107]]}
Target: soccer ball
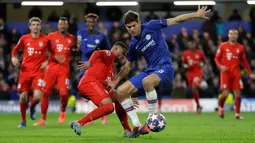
{"points": [[156, 122]]}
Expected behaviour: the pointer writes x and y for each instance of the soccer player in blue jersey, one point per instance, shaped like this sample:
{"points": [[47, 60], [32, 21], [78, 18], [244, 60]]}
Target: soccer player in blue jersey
{"points": [[89, 40], [147, 40]]}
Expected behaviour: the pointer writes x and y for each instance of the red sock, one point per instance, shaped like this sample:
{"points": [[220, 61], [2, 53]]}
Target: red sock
{"points": [[34, 103], [196, 97], [222, 101], [122, 116], [45, 104], [97, 113], [23, 108], [63, 100], [238, 104]]}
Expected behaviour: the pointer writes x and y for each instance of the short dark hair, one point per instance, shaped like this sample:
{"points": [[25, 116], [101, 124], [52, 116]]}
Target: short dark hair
{"points": [[91, 15], [130, 16], [123, 46], [63, 18], [34, 19]]}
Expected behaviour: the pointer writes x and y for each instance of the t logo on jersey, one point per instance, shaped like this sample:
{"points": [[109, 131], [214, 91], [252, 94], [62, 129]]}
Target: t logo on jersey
{"points": [[60, 47], [30, 51], [229, 56]]}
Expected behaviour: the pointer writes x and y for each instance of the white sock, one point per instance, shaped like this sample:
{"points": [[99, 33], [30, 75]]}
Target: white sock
{"points": [[152, 101], [128, 106]]}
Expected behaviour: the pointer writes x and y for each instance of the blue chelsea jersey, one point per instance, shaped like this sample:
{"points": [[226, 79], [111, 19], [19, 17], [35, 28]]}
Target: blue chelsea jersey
{"points": [[151, 44], [92, 42]]}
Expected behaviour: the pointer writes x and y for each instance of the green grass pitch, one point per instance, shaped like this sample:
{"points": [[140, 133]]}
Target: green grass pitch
{"points": [[181, 128]]}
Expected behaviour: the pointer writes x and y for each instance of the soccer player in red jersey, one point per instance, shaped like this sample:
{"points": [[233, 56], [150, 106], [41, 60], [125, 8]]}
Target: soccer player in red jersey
{"points": [[193, 61], [93, 86], [58, 70], [34, 47], [228, 59]]}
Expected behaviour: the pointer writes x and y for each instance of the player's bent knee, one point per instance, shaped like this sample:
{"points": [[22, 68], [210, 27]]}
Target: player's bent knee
{"points": [[126, 90], [63, 92], [106, 101], [225, 93], [23, 97]]}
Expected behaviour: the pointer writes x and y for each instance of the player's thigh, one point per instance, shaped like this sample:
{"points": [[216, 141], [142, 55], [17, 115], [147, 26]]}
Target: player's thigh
{"points": [[93, 91], [38, 82], [24, 83], [225, 81], [237, 84], [132, 85], [166, 75], [49, 79], [63, 83]]}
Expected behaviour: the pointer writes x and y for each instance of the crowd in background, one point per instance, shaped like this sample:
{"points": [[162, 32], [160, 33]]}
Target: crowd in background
{"points": [[208, 41]]}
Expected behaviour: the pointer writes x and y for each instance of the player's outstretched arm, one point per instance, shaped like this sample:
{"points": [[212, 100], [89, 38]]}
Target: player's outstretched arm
{"points": [[201, 13], [15, 60]]}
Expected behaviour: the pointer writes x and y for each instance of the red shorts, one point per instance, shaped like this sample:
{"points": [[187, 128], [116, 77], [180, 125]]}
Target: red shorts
{"points": [[94, 91], [53, 77], [26, 82], [194, 80], [228, 82]]}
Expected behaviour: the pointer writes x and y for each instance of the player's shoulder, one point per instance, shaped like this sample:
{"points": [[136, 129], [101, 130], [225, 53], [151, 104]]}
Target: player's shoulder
{"points": [[26, 36], [224, 44], [185, 52], [52, 34], [240, 45], [84, 30]]}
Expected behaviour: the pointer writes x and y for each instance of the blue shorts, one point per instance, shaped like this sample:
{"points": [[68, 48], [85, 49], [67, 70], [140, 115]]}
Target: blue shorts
{"points": [[166, 74]]}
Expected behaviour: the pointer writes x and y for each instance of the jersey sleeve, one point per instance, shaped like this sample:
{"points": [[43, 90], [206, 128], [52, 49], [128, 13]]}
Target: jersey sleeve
{"points": [[79, 36], [218, 56], [19, 46], [105, 55], [245, 61], [157, 24]]}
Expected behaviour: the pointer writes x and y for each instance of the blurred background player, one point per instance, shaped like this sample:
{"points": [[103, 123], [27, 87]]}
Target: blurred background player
{"points": [[147, 40], [34, 47], [93, 86], [89, 40], [58, 70], [193, 61], [228, 59]]}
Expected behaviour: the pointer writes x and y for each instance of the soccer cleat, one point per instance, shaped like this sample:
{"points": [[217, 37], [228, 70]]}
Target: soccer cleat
{"points": [[127, 134], [22, 125], [62, 117], [238, 117], [104, 120], [76, 127], [221, 112], [41, 122], [32, 113], [144, 130], [199, 110], [135, 132]]}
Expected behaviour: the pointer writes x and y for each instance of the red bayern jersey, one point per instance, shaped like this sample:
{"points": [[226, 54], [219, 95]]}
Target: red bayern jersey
{"points": [[60, 45], [193, 61], [231, 57], [102, 63], [34, 52]]}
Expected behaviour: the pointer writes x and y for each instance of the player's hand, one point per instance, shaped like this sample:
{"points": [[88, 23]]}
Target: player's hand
{"points": [[136, 102], [83, 65], [201, 12], [252, 76], [223, 68], [60, 58], [110, 83], [44, 65], [15, 61]]}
